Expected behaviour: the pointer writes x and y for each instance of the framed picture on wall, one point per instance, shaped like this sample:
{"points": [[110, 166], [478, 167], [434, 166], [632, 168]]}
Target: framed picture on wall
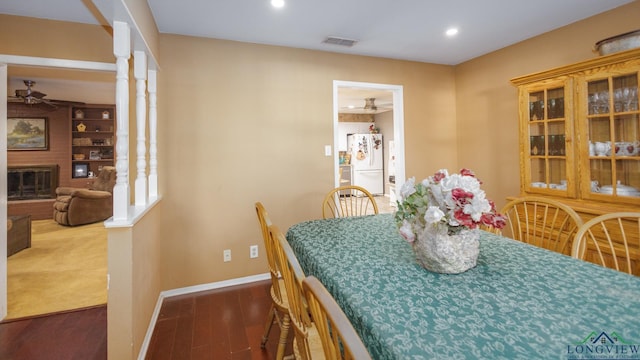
{"points": [[27, 133], [94, 155]]}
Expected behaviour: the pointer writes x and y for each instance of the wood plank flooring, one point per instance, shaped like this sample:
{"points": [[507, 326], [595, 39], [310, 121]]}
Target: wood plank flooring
{"points": [[225, 323], [79, 334]]}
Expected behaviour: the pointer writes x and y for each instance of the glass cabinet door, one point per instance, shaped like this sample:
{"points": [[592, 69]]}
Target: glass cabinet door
{"points": [[613, 135], [545, 164]]}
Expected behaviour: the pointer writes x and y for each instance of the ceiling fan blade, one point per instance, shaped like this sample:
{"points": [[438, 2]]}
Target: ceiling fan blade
{"points": [[27, 93], [37, 94], [65, 102], [32, 97], [45, 101]]}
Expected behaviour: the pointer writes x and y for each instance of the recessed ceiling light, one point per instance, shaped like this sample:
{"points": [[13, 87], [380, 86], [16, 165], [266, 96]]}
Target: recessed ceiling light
{"points": [[277, 3], [451, 31]]}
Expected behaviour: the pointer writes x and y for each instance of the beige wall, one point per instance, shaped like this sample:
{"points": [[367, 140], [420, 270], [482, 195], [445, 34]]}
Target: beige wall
{"points": [[486, 102], [135, 270], [46, 38], [243, 123]]}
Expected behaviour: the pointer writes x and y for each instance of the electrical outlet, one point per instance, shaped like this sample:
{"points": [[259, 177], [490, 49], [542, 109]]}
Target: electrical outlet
{"points": [[227, 255], [253, 251]]}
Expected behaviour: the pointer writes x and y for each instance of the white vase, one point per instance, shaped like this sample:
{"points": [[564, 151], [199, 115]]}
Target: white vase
{"points": [[439, 252], [602, 148]]}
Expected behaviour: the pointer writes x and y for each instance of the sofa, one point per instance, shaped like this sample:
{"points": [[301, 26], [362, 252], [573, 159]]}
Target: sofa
{"points": [[80, 206]]}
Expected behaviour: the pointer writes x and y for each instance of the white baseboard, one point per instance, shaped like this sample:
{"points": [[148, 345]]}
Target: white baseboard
{"points": [[214, 285], [188, 290]]}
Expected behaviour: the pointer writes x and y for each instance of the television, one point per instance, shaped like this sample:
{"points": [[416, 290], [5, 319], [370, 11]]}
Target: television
{"points": [[80, 170]]}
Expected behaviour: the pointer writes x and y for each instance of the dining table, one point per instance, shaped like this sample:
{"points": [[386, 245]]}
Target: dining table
{"points": [[518, 302]]}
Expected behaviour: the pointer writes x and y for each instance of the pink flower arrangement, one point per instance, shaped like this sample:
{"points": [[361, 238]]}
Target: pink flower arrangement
{"points": [[455, 201]]}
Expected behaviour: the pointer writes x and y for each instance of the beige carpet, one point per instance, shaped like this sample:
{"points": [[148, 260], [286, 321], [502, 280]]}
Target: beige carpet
{"points": [[65, 268]]}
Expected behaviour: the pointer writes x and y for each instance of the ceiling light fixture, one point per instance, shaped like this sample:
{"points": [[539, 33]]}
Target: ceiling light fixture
{"points": [[451, 31], [277, 3], [369, 104]]}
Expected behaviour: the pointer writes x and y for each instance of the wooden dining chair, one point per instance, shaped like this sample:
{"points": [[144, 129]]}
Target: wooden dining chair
{"points": [[348, 200], [279, 311], [611, 240], [306, 341], [541, 222], [340, 340]]}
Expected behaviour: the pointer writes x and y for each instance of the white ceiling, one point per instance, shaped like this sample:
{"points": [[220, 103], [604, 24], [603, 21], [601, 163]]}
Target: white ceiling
{"points": [[401, 29]]}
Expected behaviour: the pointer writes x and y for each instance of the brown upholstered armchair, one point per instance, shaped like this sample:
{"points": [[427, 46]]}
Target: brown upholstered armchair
{"points": [[78, 206]]}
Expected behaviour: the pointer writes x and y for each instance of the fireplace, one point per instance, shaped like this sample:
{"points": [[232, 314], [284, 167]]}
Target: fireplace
{"points": [[32, 182]]}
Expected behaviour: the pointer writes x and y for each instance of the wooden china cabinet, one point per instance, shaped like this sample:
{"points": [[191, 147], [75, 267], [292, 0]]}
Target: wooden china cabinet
{"points": [[580, 134]]}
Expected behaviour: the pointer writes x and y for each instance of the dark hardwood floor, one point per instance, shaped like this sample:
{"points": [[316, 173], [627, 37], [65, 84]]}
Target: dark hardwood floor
{"points": [[225, 323], [79, 334]]}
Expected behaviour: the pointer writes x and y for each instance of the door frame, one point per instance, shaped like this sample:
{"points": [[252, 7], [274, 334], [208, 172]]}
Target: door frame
{"points": [[14, 60], [398, 124]]}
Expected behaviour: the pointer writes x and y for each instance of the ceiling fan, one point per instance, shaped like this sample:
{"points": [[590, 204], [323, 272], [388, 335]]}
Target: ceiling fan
{"points": [[33, 97], [369, 107]]}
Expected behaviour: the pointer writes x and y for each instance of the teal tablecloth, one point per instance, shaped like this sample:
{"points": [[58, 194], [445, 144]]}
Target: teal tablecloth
{"points": [[519, 302]]}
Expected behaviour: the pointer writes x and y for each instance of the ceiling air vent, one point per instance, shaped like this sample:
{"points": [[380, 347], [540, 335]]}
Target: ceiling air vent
{"points": [[339, 41]]}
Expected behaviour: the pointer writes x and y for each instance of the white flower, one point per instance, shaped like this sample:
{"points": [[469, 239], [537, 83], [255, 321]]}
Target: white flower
{"points": [[433, 215], [445, 172], [469, 183], [478, 205], [453, 221], [408, 188], [406, 231], [436, 193], [454, 200], [449, 183]]}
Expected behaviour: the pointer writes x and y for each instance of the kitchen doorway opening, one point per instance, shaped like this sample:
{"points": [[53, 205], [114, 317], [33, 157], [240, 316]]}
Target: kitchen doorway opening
{"points": [[368, 130]]}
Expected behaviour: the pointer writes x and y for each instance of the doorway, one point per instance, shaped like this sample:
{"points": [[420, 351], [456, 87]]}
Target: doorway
{"points": [[36, 68], [382, 105]]}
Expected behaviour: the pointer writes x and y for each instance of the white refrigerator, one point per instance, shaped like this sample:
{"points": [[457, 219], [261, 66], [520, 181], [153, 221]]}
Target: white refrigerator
{"points": [[367, 161]]}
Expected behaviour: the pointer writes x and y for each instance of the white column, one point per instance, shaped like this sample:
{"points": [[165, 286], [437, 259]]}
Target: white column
{"points": [[140, 73], [122, 51], [153, 122]]}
